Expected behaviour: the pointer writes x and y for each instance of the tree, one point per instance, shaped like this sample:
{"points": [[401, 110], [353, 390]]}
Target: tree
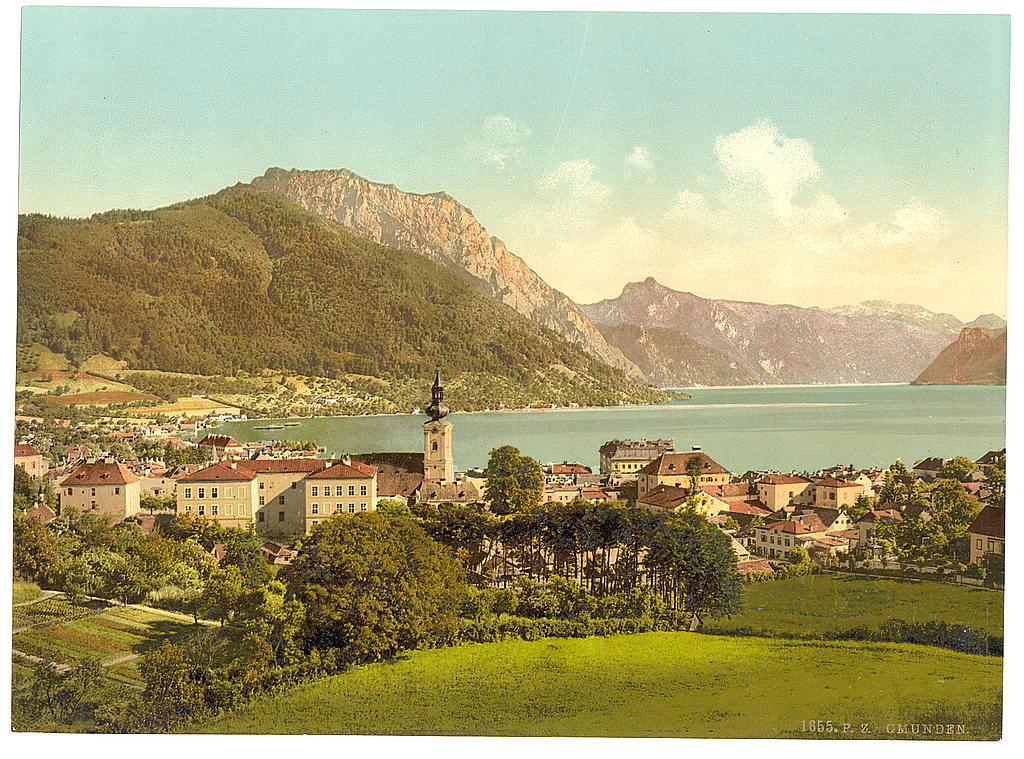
{"points": [[221, 596], [61, 692], [242, 550], [958, 468], [271, 615], [514, 482], [39, 555], [798, 556], [394, 508], [375, 585], [995, 478], [172, 694], [859, 509]]}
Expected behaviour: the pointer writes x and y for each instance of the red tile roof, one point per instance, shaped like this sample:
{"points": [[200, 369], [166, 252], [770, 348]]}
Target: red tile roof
{"points": [[755, 508], [754, 565], [100, 473], [990, 522], [931, 464], [664, 497], [675, 464], [221, 471], [569, 469], [782, 479], [219, 441], [342, 471], [24, 449], [42, 512], [793, 528], [284, 466]]}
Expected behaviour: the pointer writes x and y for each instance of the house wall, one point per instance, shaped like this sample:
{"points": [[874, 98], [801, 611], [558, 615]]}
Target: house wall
{"points": [[280, 504], [231, 503], [116, 501], [34, 465], [983, 544], [325, 498]]}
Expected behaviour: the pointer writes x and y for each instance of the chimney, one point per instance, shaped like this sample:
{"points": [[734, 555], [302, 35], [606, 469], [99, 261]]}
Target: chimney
{"points": [[233, 464], [346, 460], [696, 449]]}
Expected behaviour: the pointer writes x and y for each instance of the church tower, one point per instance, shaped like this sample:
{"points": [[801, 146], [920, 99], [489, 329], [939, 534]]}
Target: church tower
{"points": [[438, 463]]}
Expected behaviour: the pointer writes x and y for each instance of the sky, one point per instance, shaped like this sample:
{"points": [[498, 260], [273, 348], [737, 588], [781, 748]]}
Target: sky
{"points": [[807, 159]]}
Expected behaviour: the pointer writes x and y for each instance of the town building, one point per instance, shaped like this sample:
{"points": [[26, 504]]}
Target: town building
{"points": [[776, 539], [627, 457], [222, 446], [673, 469], [225, 492], [100, 487], [29, 459], [987, 534], [929, 468], [347, 487], [778, 490], [831, 493]]}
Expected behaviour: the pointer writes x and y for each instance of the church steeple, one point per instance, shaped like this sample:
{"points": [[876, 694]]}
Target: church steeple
{"points": [[438, 464], [437, 410]]}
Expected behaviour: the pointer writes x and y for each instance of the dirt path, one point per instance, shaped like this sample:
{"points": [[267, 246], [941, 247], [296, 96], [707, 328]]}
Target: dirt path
{"points": [[45, 594]]}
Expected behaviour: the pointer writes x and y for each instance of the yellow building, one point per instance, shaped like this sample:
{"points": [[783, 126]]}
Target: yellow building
{"points": [[29, 459], [347, 487], [778, 490], [673, 469], [103, 488], [281, 494], [831, 493], [988, 534], [225, 492]]}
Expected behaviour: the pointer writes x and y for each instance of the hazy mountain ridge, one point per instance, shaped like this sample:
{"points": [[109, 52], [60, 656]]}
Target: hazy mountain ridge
{"points": [[905, 313], [976, 357], [671, 359], [779, 344], [436, 226]]}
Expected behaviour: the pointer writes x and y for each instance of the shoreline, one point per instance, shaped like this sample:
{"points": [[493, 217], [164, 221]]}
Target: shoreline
{"points": [[767, 387]]}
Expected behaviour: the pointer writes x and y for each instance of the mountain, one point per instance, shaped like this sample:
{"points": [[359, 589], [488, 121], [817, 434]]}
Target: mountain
{"points": [[246, 281], [439, 228], [977, 357], [904, 313], [778, 344], [988, 321], [671, 359]]}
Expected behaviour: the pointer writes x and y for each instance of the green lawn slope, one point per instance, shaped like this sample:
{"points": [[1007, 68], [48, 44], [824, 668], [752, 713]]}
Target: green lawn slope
{"points": [[650, 685], [816, 604]]}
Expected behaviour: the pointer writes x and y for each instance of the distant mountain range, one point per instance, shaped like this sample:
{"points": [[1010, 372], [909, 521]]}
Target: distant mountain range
{"points": [[977, 357], [327, 272], [776, 344]]}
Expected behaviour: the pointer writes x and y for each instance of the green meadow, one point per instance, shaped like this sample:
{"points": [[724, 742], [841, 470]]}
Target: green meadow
{"points": [[649, 685], [816, 604]]}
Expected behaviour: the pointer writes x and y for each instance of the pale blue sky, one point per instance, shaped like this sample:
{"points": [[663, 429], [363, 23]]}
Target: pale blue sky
{"points": [[531, 119]]}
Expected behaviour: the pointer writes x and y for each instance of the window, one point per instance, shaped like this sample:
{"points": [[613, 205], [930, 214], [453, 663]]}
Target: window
{"points": [[362, 507], [94, 504], [979, 544], [202, 509], [188, 509], [280, 517], [213, 510], [832, 496], [263, 500], [69, 491], [259, 516], [201, 493], [314, 491], [262, 483], [362, 490], [433, 446], [293, 484], [188, 492], [337, 508], [351, 508], [315, 508], [991, 545], [351, 489], [339, 490], [117, 491], [315, 523], [213, 492], [93, 491]]}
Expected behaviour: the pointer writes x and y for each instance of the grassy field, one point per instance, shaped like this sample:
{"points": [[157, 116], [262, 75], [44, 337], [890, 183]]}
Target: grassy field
{"points": [[187, 407], [25, 591], [650, 685], [816, 604], [116, 636], [99, 398]]}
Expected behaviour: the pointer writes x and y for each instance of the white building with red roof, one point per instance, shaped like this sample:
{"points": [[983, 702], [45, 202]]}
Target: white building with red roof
{"points": [[101, 487], [674, 469], [29, 459], [345, 487]]}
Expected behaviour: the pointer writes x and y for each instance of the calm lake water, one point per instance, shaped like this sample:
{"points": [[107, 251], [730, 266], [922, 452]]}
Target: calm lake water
{"points": [[785, 428]]}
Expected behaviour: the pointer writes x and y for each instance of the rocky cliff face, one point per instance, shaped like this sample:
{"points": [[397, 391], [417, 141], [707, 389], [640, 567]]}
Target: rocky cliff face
{"points": [[977, 357], [439, 228], [779, 344]]}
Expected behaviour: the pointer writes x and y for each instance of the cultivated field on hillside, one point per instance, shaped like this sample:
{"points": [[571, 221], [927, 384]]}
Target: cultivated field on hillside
{"points": [[64, 633], [816, 604], [650, 685]]}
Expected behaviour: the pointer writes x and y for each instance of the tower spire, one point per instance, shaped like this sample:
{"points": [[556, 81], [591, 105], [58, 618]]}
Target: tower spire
{"points": [[437, 410]]}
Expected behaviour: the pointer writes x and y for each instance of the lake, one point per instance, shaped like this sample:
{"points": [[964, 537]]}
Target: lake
{"points": [[782, 428]]}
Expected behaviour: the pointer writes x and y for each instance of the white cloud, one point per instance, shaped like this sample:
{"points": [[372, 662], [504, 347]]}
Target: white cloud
{"points": [[641, 159], [914, 224], [500, 142], [575, 180]]}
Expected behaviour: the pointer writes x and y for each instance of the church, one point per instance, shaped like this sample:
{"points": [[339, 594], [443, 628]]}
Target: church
{"points": [[428, 477]]}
